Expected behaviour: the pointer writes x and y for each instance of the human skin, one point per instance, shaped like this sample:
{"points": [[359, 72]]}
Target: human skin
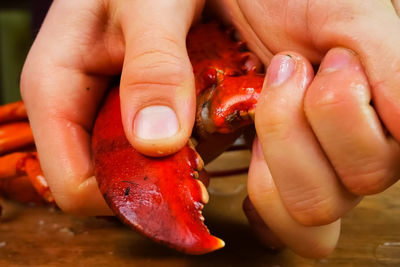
{"points": [[325, 145], [82, 44]]}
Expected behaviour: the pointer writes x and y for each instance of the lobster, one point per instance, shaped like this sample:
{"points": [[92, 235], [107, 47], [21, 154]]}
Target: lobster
{"points": [[163, 197]]}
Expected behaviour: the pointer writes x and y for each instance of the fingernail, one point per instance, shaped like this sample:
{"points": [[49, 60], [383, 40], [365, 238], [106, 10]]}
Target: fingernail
{"points": [[280, 69], [155, 122], [335, 60]]}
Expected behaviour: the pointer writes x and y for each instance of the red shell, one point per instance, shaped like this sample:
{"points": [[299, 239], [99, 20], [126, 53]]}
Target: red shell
{"points": [[158, 196], [227, 90]]}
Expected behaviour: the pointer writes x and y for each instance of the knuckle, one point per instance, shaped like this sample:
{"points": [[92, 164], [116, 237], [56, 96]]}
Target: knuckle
{"points": [[313, 209], [274, 125], [157, 66], [322, 98], [260, 195], [26, 80], [369, 180], [68, 200], [34, 79], [68, 205]]}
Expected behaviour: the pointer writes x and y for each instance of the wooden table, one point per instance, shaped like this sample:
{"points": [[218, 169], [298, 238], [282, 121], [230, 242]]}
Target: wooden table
{"points": [[43, 236]]}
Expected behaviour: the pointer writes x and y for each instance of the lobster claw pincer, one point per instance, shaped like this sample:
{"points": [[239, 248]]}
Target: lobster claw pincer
{"points": [[160, 197]]}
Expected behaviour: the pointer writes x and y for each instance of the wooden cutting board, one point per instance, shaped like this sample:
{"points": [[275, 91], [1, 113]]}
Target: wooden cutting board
{"points": [[44, 236]]}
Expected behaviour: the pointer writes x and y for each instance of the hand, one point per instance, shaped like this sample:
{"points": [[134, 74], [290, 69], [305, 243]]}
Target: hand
{"points": [[81, 45], [321, 144]]}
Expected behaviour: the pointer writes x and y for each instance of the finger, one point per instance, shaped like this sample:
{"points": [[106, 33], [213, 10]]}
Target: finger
{"points": [[312, 242], [369, 28], [307, 184], [61, 88], [375, 37], [157, 83], [396, 5], [337, 105], [261, 230]]}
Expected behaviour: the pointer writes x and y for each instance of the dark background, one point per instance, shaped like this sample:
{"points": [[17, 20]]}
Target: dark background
{"points": [[20, 21]]}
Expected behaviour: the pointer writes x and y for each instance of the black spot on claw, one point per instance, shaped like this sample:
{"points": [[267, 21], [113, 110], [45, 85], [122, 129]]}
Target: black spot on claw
{"points": [[127, 190], [145, 178], [130, 182]]}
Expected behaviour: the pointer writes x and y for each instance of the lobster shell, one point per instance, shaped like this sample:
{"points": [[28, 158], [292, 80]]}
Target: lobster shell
{"points": [[159, 197], [162, 197]]}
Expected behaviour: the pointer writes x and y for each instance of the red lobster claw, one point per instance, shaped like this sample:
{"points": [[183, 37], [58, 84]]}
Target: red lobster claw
{"points": [[160, 197]]}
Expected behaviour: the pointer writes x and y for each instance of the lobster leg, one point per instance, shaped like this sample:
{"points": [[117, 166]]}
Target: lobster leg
{"points": [[19, 164], [21, 177], [13, 112], [14, 136]]}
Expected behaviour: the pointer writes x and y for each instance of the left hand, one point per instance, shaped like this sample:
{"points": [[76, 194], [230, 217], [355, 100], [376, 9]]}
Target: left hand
{"points": [[322, 145]]}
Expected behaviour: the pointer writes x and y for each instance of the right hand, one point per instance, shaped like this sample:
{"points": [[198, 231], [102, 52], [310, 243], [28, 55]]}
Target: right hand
{"points": [[80, 46]]}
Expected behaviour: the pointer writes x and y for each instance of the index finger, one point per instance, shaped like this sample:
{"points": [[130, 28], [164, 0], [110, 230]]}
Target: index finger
{"points": [[61, 88]]}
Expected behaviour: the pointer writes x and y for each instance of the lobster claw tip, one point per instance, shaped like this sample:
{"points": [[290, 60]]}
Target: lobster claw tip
{"points": [[206, 246], [160, 197]]}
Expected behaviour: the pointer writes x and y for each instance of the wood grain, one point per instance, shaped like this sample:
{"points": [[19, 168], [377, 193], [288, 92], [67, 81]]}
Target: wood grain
{"points": [[44, 236]]}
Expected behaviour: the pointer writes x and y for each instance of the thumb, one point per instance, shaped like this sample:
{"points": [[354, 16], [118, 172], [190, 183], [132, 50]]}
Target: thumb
{"points": [[157, 85]]}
